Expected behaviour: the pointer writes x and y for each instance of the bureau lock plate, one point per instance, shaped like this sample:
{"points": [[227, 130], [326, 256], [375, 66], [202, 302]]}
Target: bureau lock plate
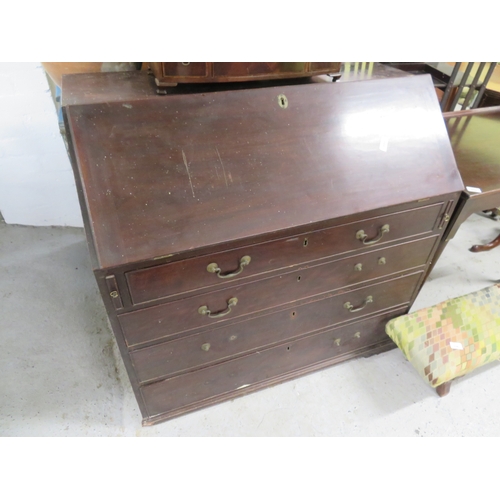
{"points": [[283, 101]]}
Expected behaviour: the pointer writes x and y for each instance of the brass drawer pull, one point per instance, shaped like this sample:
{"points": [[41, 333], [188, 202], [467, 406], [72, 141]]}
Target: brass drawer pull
{"points": [[205, 311], [214, 268], [361, 235], [353, 309]]}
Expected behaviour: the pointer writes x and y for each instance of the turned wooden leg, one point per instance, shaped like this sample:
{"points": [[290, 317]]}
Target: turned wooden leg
{"points": [[488, 246], [443, 389]]}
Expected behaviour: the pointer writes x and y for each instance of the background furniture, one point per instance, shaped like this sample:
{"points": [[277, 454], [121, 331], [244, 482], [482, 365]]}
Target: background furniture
{"points": [[474, 138], [457, 84], [168, 74]]}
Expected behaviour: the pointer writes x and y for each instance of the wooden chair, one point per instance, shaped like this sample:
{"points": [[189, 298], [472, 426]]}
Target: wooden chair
{"points": [[465, 88], [451, 82]]}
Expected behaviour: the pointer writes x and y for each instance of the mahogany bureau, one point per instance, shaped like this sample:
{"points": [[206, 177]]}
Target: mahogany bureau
{"points": [[242, 238]]}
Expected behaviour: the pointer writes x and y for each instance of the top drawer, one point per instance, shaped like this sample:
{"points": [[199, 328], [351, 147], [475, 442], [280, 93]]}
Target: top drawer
{"points": [[226, 267]]}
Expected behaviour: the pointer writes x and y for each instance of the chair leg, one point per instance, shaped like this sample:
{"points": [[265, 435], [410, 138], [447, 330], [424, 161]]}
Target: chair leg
{"points": [[488, 246], [443, 389]]}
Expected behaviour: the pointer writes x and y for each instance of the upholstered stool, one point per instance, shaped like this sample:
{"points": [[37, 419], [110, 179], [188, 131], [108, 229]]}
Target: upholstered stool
{"points": [[452, 338]]}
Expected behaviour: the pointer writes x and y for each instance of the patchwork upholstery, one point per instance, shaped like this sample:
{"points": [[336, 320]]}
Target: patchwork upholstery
{"points": [[452, 338]]}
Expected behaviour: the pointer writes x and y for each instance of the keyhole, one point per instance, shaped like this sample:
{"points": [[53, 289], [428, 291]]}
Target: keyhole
{"points": [[305, 242], [282, 101], [298, 278]]}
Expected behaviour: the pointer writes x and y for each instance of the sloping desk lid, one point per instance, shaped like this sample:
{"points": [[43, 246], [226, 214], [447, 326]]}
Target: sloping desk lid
{"points": [[163, 176]]}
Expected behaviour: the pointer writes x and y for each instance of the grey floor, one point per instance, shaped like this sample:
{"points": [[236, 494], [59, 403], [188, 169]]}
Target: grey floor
{"points": [[61, 374]]}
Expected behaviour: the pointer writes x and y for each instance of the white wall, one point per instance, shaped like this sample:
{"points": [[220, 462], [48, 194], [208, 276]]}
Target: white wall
{"points": [[36, 181]]}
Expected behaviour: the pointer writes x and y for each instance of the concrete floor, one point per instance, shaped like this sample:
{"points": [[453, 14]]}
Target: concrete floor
{"points": [[62, 374]]}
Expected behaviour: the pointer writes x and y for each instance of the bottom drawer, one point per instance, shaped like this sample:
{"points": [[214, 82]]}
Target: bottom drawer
{"points": [[239, 376]]}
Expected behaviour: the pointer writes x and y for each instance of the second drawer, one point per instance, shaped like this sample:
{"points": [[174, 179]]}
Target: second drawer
{"points": [[162, 322]]}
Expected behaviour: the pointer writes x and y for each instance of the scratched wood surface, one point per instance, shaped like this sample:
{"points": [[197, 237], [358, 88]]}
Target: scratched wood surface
{"points": [[163, 176]]}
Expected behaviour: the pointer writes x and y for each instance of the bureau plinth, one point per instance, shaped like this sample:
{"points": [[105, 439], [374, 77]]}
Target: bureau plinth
{"points": [[246, 237]]}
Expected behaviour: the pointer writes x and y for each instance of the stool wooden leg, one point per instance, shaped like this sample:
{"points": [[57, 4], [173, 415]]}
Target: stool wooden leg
{"points": [[443, 389]]}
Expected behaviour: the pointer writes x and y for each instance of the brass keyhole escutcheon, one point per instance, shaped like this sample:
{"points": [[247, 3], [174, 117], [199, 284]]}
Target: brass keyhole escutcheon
{"points": [[283, 101]]}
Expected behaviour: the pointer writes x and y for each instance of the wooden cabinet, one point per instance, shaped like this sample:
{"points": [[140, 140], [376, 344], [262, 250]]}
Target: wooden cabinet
{"points": [[239, 242], [170, 74]]}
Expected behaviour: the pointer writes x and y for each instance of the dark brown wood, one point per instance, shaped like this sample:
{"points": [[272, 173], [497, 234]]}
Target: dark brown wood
{"points": [[188, 160], [172, 73], [205, 348], [106, 87], [239, 375], [490, 98], [443, 389], [171, 184], [169, 320], [487, 246], [181, 277]]}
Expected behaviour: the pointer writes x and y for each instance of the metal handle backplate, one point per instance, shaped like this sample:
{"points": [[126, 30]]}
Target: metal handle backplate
{"points": [[353, 309], [205, 311], [214, 268], [361, 235]]}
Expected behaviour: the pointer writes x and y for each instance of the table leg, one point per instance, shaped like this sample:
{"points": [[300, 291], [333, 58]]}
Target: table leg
{"points": [[488, 246]]}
